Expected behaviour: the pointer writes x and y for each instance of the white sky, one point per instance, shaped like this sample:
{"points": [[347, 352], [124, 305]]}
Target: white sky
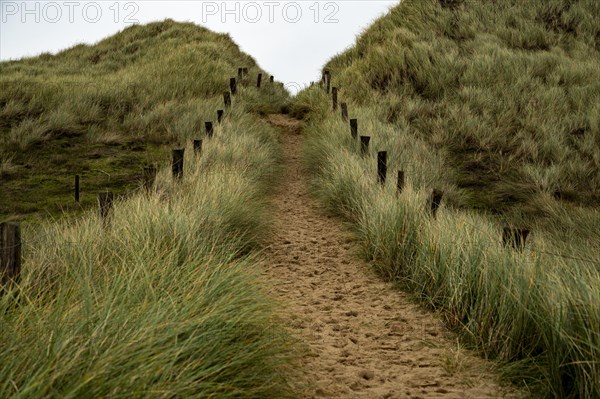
{"points": [[291, 40]]}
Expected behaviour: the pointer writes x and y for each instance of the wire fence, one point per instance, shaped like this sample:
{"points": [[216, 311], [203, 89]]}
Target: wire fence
{"points": [[425, 181], [210, 167]]}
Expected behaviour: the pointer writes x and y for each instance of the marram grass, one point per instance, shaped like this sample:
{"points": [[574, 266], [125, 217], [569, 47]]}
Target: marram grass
{"points": [[495, 103], [109, 108], [165, 299], [160, 301]]}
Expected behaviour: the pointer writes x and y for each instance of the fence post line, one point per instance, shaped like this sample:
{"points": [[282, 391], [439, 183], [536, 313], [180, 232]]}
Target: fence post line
{"points": [[219, 115], [258, 80], [364, 144], [344, 108], [227, 99], [198, 147], [435, 200], [177, 164], [209, 129], [105, 202], [400, 182], [149, 177], [354, 128], [334, 97], [77, 189], [233, 86], [381, 167], [516, 238], [10, 254]]}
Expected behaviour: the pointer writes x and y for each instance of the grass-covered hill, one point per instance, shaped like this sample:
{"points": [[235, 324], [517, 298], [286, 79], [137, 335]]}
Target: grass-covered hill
{"points": [[497, 103], [105, 110], [164, 298], [507, 93]]}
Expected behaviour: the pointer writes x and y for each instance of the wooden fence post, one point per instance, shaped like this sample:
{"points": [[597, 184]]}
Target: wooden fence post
{"points": [[77, 189], [400, 182], [149, 176], [364, 144], [381, 167], [209, 129], [435, 200], [272, 79], [198, 147], [227, 99], [105, 201], [354, 128], [177, 164], [258, 80], [233, 86], [327, 79], [516, 238], [10, 254], [240, 74], [344, 107], [334, 99], [219, 115]]}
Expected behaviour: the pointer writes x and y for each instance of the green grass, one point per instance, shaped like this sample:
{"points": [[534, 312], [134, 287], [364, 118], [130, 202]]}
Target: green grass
{"points": [[107, 110], [495, 103], [166, 298]]}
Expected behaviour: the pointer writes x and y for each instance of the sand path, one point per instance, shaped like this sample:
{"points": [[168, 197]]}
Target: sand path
{"points": [[367, 339]]}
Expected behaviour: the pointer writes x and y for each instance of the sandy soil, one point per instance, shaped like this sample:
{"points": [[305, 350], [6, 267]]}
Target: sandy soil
{"points": [[366, 339]]}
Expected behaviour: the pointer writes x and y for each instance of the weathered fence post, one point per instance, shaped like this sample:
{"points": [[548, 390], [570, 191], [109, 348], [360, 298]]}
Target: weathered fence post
{"points": [[219, 115], [209, 129], [258, 80], [327, 79], [105, 202], [149, 176], [516, 238], [198, 147], [364, 144], [272, 79], [240, 74], [226, 99], [344, 107], [10, 254], [400, 182], [177, 164], [77, 189], [232, 86], [435, 200], [381, 167], [334, 99], [354, 128]]}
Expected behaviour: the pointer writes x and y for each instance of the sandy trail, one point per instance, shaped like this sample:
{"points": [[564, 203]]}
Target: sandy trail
{"points": [[367, 340]]}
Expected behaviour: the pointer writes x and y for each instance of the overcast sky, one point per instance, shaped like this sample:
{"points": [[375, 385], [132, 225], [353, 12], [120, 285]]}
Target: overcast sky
{"points": [[291, 40]]}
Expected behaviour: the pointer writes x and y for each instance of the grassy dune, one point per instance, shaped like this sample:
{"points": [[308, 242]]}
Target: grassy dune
{"points": [[103, 111], [495, 103], [164, 299]]}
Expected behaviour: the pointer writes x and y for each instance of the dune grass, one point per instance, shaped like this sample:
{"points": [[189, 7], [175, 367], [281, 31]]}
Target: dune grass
{"points": [[160, 302], [165, 298], [495, 103], [106, 110]]}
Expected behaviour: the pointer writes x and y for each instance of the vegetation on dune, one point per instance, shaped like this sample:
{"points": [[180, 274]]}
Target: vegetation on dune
{"points": [[495, 103], [104, 111], [164, 299], [508, 95]]}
